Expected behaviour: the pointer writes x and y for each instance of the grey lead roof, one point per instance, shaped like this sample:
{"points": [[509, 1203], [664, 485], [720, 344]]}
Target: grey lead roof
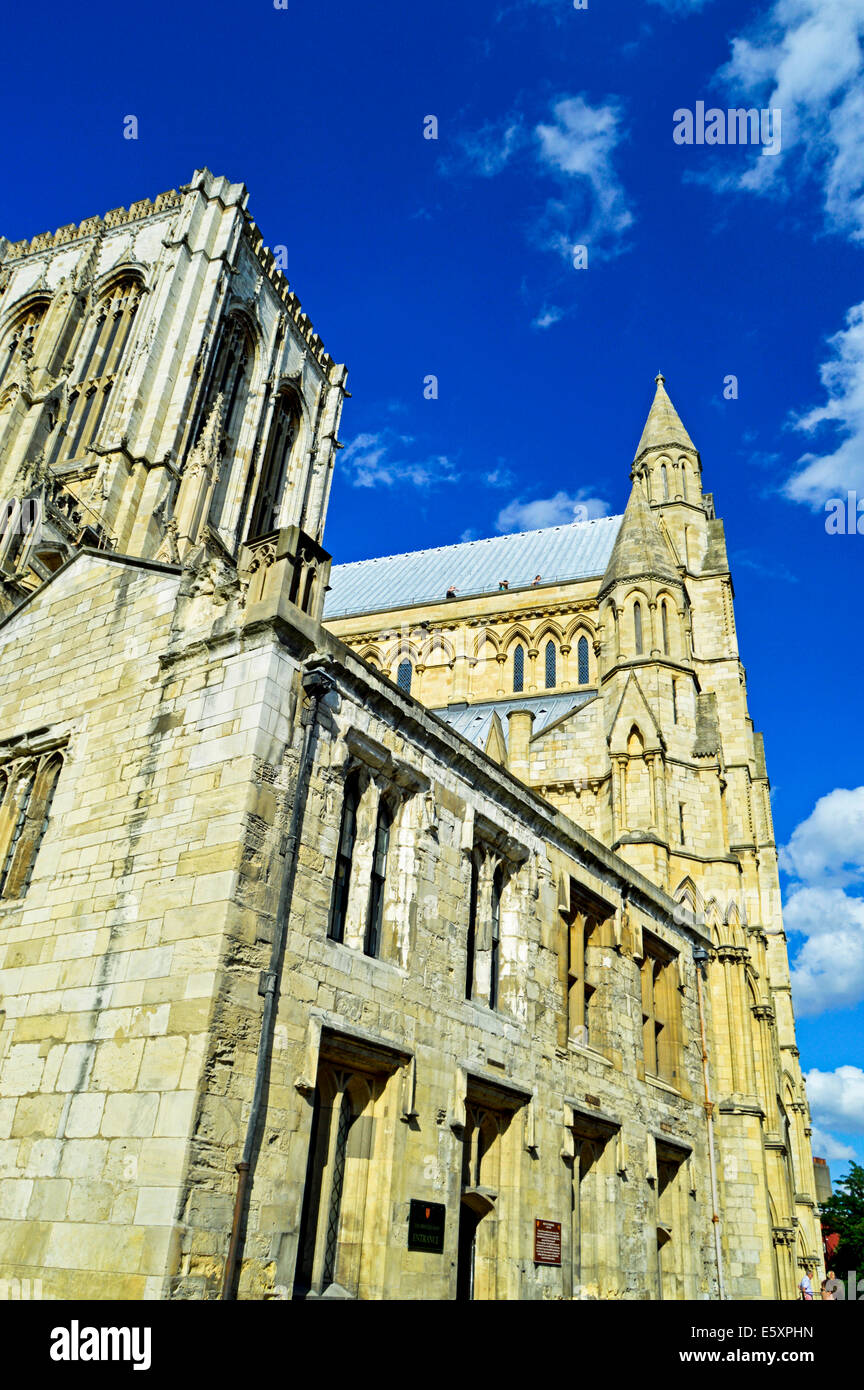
{"points": [[579, 550], [473, 721]]}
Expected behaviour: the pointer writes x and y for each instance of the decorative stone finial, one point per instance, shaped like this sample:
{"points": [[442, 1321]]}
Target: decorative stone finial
{"points": [[660, 379]]}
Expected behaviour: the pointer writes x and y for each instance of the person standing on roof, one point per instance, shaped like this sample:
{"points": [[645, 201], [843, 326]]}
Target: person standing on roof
{"points": [[451, 592]]}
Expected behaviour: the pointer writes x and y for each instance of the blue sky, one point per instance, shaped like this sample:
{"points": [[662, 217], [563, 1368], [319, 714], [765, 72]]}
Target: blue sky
{"points": [[453, 257]]}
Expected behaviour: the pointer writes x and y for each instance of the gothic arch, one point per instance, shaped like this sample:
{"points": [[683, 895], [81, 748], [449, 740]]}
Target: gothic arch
{"points": [[517, 633], [277, 457], [399, 652], [713, 920], [547, 630], [24, 305], [688, 895], [20, 326], [669, 632], [124, 270], [580, 625], [438, 645]]}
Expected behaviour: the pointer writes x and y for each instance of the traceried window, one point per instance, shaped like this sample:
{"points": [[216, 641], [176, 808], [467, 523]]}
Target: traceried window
{"points": [[551, 676], [20, 339], [228, 395], [404, 676], [375, 913], [519, 668], [27, 789], [274, 473], [105, 341], [582, 660], [637, 625], [344, 860]]}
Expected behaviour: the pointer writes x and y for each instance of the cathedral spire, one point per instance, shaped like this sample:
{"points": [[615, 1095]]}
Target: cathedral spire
{"points": [[641, 551], [663, 428]]}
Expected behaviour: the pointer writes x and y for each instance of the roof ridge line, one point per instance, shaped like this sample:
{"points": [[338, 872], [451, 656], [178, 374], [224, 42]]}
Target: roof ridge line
{"points": [[458, 545]]}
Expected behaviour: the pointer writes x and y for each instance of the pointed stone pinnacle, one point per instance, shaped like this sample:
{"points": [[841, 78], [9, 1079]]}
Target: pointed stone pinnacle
{"points": [[663, 427]]}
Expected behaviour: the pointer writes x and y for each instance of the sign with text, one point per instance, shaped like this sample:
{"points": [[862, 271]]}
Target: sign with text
{"points": [[426, 1226], [547, 1242]]}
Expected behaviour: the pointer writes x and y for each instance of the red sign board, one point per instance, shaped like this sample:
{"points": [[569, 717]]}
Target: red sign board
{"points": [[547, 1242]]}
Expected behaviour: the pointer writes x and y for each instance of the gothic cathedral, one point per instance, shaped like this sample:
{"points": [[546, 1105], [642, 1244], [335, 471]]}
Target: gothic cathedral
{"points": [[402, 929]]}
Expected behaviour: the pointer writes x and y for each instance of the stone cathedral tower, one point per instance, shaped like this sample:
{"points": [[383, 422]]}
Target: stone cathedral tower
{"points": [[365, 950], [160, 389]]}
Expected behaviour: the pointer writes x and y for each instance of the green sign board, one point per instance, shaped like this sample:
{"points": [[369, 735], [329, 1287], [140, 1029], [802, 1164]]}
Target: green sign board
{"points": [[426, 1226]]}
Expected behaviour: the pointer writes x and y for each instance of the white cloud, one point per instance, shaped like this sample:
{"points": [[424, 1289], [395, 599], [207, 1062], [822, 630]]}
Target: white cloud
{"points": [[498, 477], [559, 510], [828, 847], [828, 970], [575, 148], [825, 854], [825, 1145], [547, 317], [488, 150], [837, 1098], [370, 461], [805, 58], [824, 475]]}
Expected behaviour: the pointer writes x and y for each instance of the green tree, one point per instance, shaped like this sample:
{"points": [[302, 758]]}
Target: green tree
{"points": [[844, 1214]]}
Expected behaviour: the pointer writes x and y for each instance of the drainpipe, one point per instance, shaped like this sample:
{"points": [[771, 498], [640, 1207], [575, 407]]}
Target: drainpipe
{"points": [[316, 684], [700, 955]]}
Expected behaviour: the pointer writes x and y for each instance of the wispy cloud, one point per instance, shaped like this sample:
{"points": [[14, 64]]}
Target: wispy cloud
{"points": [[765, 569], [573, 147], [383, 460], [548, 316], [499, 477], [804, 57], [841, 468], [577, 147], [559, 510]]}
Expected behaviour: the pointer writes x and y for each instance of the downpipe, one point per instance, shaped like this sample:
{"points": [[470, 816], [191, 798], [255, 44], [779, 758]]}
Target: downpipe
{"points": [[700, 955], [316, 684]]}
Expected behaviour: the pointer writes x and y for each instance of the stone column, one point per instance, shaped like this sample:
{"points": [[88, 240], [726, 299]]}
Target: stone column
{"points": [[520, 722]]}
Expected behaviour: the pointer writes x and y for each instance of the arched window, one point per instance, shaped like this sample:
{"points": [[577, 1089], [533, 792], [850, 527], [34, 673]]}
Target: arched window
{"points": [[404, 676], [20, 338], [519, 668], [25, 812], [374, 918], [582, 661], [106, 340], [283, 435], [664, 478], [665, 621], [344, 860], [550, 665], [495, 961], [637, 625], [228, 391]]}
